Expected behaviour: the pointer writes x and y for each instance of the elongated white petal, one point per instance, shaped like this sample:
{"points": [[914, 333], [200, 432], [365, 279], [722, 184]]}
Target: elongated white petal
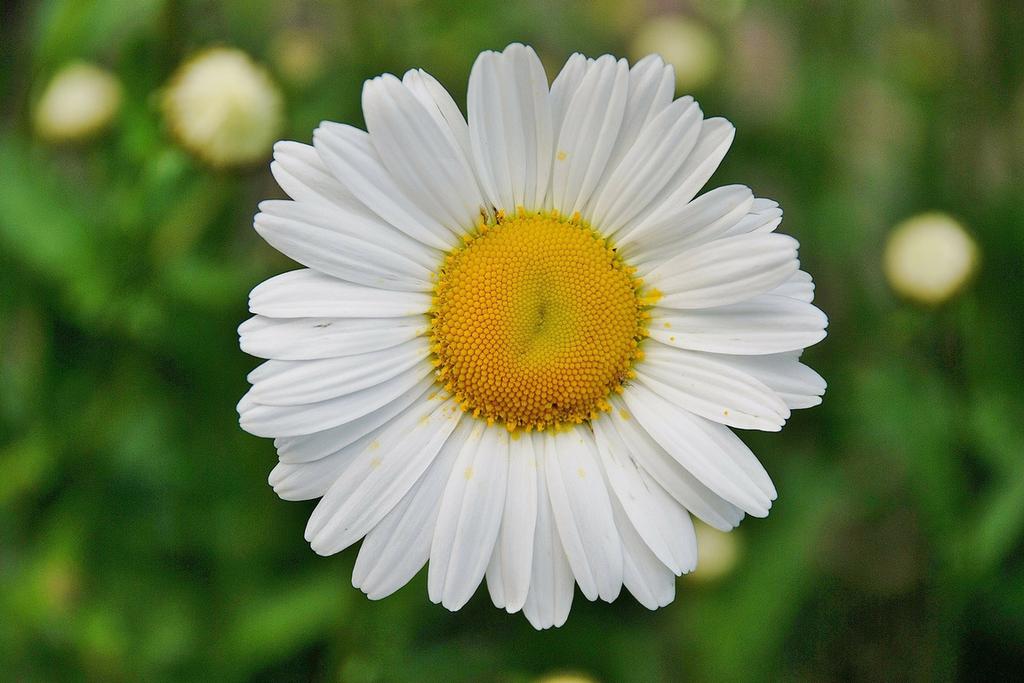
{"points": [[764, 216], [799, 286], [659, 520], [659, 150], [508, 574], [725, 271], [301, 173], [564, 86], [685, 438], [796, 384], [352, 158], [441, 107], [309, 447], [380, 475], [583, 514], [624, 433], [510, 127], [398, 547], [420, 154], [707, 217], [769, 323], [296, 382], [711, 387], [651, 582], [281, 421], [313, 338], [350, 255], [308, 293], [551, 582], [470, 517], [354, 223], [310, 477], [651, 86], [716, 136], [588, 133]]}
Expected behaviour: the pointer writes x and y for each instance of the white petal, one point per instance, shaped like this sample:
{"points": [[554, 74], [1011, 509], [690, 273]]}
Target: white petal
{"points": [[583, 514], [725, 271], [380, 475], [295, 382], [764, 216], [470, 517], [659, 520], [765, 324], [310, 477], [309, 447], [621, 429], [308, 293], [308, 480], [565, 85], [551, 582], [711, 387], [398, 547], [588, 133], [362, 253], [312, 338], [685, 437], [352, 158], [301, 173], [441, 107], [716, 135], [658, 152], [798, 385], [420, 154], [510, 127], [651, 86], [508, 575], [706, 218], [280, 421], [651, 582], [799, 286]]}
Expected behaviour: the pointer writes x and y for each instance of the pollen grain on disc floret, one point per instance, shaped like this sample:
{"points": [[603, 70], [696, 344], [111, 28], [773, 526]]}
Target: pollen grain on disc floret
{"points": [[536, 320]]}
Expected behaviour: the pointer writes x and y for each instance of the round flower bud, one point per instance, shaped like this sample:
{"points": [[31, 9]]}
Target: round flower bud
{"points": [[224, 108], [689, 46], [929, 257], [80, 101]]}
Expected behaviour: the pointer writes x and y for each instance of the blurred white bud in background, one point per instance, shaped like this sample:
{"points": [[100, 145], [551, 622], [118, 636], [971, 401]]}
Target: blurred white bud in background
{"points": [[688, 45], [565, 677], [224, 108], [298, 56], [929, 257], [717, 552], [80, 101]]}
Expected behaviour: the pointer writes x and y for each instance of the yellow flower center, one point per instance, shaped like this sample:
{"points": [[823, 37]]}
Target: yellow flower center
{"points": [[536, 320]]}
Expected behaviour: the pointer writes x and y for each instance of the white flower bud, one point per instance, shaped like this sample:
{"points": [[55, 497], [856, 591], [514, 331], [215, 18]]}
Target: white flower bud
{"points": [[79, 102], [929, 257], [224, 108]]}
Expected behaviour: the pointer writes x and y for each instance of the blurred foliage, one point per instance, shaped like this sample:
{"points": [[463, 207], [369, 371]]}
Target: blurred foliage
{"points": [[139, 540]]}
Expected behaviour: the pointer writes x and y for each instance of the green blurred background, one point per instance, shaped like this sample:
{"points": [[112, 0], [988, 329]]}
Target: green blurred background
{"points": [[140, 541]]}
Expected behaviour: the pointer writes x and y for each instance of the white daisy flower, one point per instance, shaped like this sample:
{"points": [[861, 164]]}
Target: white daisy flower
{"points": [[519, 343]]}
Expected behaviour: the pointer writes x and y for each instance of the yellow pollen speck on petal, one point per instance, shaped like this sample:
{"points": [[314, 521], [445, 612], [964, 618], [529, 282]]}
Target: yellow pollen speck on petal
{"points": [[561, 155], [624, 414], [375, 463], [536, 320], [582, 473], [374, 445], [468, 474]]}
